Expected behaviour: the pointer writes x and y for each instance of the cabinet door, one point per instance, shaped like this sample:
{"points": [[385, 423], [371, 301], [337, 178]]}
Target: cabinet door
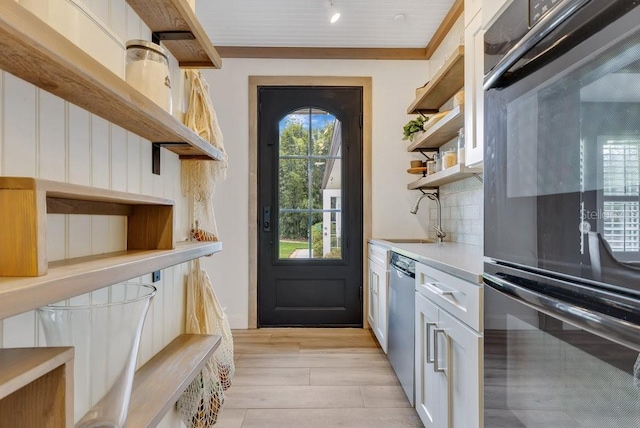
{"points": [[372, 306], [463, 368], [428, 383], [382, 308], [473, 94]]}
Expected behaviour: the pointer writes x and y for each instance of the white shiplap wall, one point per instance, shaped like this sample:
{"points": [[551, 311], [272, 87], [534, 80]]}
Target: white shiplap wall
{"points": [[43, 136]]}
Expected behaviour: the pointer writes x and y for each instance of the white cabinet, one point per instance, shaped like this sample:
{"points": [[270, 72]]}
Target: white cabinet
{"points": [[474, 94], [380, 291], [447, 363], [378, 307], [458, 354], [431, 402], [447, 355]]}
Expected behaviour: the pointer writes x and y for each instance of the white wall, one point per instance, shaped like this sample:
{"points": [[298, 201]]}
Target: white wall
{"points": [[394, 84], [43, 136]]}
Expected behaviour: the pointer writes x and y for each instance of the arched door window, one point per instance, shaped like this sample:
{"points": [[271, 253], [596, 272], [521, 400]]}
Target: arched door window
{"points": [[310, 185]]}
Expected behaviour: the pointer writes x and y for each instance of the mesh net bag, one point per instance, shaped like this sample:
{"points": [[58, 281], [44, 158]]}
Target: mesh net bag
{"points": [[201, 402], [199, 177]]}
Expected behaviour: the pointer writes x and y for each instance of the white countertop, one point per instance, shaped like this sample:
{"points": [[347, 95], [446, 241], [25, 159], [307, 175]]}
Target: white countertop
{"points": [[461, 260]]}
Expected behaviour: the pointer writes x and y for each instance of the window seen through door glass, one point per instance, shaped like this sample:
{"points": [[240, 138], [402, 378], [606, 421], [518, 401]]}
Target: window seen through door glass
{"points": [[310, 186]]}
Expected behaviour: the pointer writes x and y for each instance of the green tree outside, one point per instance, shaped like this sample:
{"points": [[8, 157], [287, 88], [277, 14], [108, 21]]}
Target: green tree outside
{"points": [[295, 191]]}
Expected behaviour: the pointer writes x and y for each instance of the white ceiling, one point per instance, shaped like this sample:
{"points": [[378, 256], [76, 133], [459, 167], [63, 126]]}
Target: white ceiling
{"points": [[305, 23]]}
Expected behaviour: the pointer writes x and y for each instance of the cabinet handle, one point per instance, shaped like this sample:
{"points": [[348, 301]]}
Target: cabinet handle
{"points": [[429, 325], [439, 291], [436, 366]]}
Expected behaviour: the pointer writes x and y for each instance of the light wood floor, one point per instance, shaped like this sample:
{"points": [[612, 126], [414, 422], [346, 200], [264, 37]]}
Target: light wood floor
{"points": [[312, 378]]}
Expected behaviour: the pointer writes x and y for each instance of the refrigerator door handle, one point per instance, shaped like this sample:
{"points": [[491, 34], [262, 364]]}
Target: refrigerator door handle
{"points": [[612, 328]]}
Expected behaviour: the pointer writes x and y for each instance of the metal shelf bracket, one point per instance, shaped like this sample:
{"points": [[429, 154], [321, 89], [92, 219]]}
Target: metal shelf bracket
{"points": [[158, 36], [155, 154]]}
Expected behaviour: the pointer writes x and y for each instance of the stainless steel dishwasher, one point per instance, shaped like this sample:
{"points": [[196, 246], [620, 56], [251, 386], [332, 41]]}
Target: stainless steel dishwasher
{"points": [[401, 320]]}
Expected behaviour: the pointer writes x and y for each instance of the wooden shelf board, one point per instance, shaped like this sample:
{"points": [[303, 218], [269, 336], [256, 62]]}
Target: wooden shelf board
{"points": [[60, 190], [440, 133], [33, 51], [21, 366], [446, 82], [72, 277], [177, 15], [159, 383], [449, 175]]}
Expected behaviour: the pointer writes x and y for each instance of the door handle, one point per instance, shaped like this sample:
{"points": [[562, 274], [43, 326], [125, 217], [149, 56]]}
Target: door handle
{"points": [[436, 366], [539, 31], [266, 218], [429, 325]]}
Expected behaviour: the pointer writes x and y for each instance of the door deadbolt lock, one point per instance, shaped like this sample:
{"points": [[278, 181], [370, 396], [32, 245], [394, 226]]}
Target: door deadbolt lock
{"points": [[266, 218]]}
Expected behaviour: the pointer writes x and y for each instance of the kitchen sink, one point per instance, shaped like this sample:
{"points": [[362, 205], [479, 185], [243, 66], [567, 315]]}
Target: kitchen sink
{"points": [[409, 241]]}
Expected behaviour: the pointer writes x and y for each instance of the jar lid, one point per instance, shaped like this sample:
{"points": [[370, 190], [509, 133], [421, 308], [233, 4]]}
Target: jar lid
{"points": [[139, 43]]}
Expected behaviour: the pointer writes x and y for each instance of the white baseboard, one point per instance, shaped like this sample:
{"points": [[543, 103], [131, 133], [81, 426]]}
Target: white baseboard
{"points": [[238, 323]]}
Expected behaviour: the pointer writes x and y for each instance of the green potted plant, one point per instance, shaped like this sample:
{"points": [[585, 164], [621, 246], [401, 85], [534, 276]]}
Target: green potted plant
{"points": [[412, 127]]}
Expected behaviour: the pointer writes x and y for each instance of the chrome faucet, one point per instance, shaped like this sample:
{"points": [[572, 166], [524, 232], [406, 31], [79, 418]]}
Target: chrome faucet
{"points": [[440, 234]]}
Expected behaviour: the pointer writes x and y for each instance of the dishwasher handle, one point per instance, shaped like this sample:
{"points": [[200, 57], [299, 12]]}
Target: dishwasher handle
{"points": [[400, 271]]}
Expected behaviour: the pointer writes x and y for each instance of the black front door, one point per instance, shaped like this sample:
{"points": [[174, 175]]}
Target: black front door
{"points": [[310, 202]]}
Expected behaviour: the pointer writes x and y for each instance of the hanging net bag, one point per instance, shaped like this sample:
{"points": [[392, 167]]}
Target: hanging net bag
{"points": [[202, 401], [200, 404], [199, 177]]}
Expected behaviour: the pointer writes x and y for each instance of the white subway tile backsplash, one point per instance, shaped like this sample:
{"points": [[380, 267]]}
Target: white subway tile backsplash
{"points": [[464, 202], [471, 212], [456, 212]]}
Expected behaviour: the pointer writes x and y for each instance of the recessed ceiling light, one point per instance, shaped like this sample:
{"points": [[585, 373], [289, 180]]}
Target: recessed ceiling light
{"points": [[334, 13], [400, 18]]}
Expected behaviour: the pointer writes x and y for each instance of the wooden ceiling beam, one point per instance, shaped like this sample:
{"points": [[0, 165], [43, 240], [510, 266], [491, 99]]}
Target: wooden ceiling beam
{"points": [[452, 16], [321, 53]]}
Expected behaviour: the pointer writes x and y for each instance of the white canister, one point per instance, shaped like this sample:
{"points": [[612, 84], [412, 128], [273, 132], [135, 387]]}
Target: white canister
{"points": [[147, 70]]}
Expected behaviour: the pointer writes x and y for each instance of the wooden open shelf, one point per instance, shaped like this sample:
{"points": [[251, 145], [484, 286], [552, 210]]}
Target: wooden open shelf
{"points": [[443, 131], [160, 382], [25, 202], [36, 387], [32, 50], [446, 82], [446, 176], [176, 18], [72, 277]]}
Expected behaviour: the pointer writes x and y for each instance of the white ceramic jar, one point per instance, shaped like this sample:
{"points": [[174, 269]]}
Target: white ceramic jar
{"points": [[147, 70]]}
